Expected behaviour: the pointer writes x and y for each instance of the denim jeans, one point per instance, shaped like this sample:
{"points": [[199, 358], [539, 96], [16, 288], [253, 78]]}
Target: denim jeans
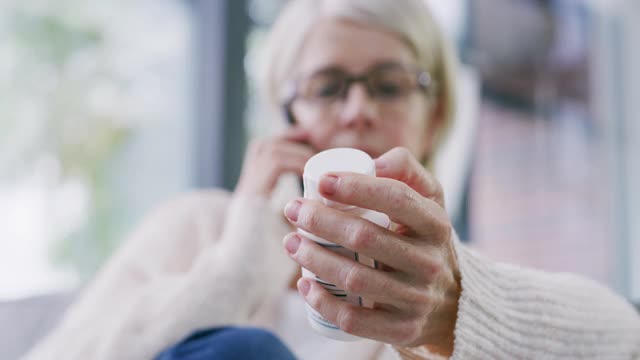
{"points": [[228, 343]]}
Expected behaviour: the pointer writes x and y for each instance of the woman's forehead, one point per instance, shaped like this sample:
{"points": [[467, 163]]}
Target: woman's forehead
{"points": [[350, 46]]}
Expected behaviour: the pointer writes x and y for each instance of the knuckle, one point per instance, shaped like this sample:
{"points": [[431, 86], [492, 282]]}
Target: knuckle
{"points": [[444, 229], [347, 320], [420, 299], [435, 269], [436, 299], [309, 217], [406, 157], [392, 195], [448, 231], [406, 162], [407, 332], [361, 238], [408, 196], [403, 153], [304, 256], [430, 269], [354, 281], [437, 194], [314, 299], [440, 227]]}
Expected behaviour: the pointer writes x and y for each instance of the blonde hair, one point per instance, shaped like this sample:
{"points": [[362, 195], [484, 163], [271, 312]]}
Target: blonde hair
{"points": [[410, 20]]}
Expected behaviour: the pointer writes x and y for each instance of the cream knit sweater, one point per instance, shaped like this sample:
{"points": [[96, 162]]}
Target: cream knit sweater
{"points": [[211, 259]]}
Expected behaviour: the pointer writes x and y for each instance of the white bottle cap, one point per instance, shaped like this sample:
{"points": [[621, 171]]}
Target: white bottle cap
{"points": [[335, 160]]}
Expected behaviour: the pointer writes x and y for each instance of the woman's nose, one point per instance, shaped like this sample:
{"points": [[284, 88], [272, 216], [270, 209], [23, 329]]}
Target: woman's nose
{"points": [[358, 109]]}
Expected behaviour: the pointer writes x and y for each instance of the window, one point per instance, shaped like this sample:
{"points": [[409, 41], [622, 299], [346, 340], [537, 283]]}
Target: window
{"points": [[91, 92]]}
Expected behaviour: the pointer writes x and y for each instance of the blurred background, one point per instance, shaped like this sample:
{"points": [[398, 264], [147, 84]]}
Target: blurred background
{"points": [[109, 107]]}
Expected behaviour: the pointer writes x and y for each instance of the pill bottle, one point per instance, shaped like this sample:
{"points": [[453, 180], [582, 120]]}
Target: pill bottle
{"points": [[338, 160]]}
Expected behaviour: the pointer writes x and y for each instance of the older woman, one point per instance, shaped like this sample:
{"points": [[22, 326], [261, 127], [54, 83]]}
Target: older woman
{"points": [[369, 74]]}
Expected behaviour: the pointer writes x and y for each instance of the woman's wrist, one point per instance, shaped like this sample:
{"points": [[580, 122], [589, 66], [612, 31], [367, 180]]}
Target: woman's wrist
{"points": [[441, 341]]}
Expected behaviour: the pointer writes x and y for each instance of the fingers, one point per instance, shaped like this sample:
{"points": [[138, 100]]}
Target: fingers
{"points": [[396, 199], [360, 321], [401, 165], [267, 159], [351, 276], [272, 159], [361, 236], [272, 148], [296, 134], [287, 155]]}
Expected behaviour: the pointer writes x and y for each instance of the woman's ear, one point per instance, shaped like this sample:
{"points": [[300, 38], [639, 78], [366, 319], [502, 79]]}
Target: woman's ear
{"points": [[435, 125]]}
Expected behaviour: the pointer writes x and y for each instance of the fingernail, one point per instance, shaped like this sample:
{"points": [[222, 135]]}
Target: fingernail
{"points": [[292, 209], [380, 163], [303, 286], [292, 243], [328, 184]]}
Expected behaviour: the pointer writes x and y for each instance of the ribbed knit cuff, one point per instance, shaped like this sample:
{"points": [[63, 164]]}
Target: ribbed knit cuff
{"points": [[507, 312]]}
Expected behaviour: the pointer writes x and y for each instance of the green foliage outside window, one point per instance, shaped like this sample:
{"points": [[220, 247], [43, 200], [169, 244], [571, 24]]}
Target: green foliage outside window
{"points": [[59, 99]]}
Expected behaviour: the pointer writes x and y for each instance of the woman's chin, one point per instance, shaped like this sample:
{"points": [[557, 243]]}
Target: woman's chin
{"points": [[371, 152]]}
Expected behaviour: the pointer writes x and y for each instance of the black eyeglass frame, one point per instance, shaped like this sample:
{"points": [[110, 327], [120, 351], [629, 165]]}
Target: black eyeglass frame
{"points": [[424, 81]]}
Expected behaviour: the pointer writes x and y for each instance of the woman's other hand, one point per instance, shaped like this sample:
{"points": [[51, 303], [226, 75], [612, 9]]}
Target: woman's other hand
{"points": [[416, 295], [267, 159]]}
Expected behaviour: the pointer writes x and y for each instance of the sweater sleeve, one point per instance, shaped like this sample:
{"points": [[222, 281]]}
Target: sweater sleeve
{"points": [[134, 311], [507, 312]]}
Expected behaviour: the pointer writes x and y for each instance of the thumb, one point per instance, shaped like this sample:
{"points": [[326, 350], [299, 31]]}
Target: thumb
{"points": [[399, 164]]}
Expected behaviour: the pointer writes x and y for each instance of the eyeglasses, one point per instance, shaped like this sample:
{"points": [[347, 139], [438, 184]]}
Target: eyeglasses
{"points": [[384, 83]]}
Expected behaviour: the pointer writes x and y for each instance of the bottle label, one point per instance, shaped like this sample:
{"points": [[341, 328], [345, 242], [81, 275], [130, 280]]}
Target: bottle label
{"points": [[377, 218], [319, 319], [332, 288]]}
